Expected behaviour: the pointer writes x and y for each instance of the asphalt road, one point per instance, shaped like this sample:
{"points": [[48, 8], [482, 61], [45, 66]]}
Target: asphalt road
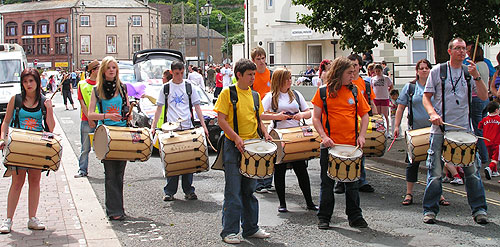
{"points": [[152, 221]]}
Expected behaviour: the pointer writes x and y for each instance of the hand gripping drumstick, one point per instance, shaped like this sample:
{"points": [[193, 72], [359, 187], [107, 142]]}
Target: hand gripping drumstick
{"points": [[392, 143]]}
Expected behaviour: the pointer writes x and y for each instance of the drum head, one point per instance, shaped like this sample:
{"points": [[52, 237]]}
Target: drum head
{"points": [[170, 126], [460, 137], [345, 151], [101, 146], [259, 146]]}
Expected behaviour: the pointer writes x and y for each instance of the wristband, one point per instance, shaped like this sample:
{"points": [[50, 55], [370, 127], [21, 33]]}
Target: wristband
{"points": [[104, 117]]}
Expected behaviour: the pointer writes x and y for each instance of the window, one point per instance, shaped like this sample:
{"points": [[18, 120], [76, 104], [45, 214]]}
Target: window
{"points": [[111, 21], [314, 54], [85, 21], [136, 43], [110, 43], [43, 46], [43, 27], [419, 49], [270, 4], [270, 52], [136, 20], [61, 25], [28, 28], [11, 41], [61, 45], [193, 42], [29, 46], [11, 29], [85, 44]]}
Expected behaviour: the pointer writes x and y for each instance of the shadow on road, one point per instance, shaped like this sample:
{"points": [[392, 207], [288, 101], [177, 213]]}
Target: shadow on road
{"points": [[372, 236]]}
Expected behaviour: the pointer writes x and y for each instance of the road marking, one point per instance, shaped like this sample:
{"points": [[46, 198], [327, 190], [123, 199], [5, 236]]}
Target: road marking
{"points": [[67, 120], [424, 183]]}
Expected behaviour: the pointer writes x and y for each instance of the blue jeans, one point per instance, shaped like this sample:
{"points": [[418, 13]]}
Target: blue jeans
{"points": [[239, 202], [83, 161], [473, 184], [264, 183], [478, 112], [327, 198], [173, 183]]}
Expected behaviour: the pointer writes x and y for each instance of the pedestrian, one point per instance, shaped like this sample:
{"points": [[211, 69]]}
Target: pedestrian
{"points": [[109, 95], [227, 73], [335, 103], [287, 108], [211, 77], [51, 84], [167, 76], [240, 205], [324, 66], [174, 101], [67, 90], [86, 126], [450, 92], [33, 106], [44, 83], [386, 71], [196, 79], [73, 79], [219, 78], [393, 106], [495, 81], [491, 127], [411, 97], [382, 85]]}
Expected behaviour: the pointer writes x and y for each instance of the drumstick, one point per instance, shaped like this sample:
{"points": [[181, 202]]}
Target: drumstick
{"points": [[60, 85], [284, 140], [392, 143], [484, 138], [454, 126], [210, 143], [475, 49], [353, 151]]}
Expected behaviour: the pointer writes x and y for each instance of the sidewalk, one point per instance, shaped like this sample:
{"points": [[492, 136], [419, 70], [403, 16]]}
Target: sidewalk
{"points": [[68, 207]]}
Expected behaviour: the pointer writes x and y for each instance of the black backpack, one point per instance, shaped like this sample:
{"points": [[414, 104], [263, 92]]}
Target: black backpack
{"points": [[18, 104], [189, 91]]}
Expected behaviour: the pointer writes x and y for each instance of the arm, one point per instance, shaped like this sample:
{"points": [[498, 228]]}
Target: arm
{"points": [[274, 116], [399, 116], [482, 91], [156, 117], [224, 125], [197, 108], [51, 123], [433, 116], [302, 115], [9, 112], [325, 139], [364, 126], [493, 89], [263, 128]]}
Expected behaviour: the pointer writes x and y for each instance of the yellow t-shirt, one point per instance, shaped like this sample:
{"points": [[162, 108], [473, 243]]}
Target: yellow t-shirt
{"points": [[247, 122]]}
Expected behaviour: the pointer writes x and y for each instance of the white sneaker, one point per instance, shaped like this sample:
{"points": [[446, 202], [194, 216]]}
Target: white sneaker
{"points": [[446, 179], [35, 224], [487, 173], [495, 174], [260, 234], [232, 239], [6, 226], [262, 190], [457, 181]]}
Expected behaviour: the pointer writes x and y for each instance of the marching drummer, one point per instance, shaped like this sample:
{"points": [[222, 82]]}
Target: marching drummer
{"points": [[176, 101], [27, 115], [110, 96], [240, 205], [451, 103], [339, 104]]}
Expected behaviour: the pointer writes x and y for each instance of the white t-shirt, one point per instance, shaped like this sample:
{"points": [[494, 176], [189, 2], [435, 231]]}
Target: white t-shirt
{"points": [[178, 103], [226, 77], [196, 79], [285, 105], [380, 85]]}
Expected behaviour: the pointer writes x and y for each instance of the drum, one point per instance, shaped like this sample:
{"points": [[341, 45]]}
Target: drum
{"points": [[258, 159], [418, 142], [375, 137], [302, 144], [459, 148], [30, 149], [183, 152], [122, 143], [344, 163]]}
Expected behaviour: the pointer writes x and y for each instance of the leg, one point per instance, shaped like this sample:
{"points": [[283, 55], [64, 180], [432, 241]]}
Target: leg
{"points": [[171, 186], [33, 191], [300, 169], [187, 183], [113, 173], [232, 206], [250, 212], [434, 188], [65, 98], [475, 189], [83, 161], [16, 186], [326, 197], [411, 178], [279, 182], [353, 210], [477, 114]]}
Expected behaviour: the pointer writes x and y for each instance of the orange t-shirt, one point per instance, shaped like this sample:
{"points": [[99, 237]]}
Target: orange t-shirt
{"points": [[341, 111], [362, 88], [262, 83]]}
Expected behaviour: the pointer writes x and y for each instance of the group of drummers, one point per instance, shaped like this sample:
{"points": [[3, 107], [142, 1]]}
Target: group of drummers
{"points": [[250, 152]]}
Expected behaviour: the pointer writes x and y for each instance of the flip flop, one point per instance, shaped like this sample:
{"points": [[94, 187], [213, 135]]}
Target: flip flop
{"points": [[407, 202], [444, 202]]}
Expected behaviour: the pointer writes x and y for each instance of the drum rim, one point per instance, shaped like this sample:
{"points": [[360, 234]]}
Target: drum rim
{"points": [[264, 141], [360, 150], [460, 132]]}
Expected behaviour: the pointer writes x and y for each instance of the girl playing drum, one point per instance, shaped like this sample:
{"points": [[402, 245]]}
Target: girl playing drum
{"points": [[282, 106], [108, 96], [30, 117]]}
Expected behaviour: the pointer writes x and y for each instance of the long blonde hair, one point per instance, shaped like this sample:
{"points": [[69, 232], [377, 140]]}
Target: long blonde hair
{"points": [[334, 76], [101, 77], [278, 80]]}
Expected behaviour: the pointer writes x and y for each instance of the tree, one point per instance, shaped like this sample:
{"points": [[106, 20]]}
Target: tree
{"points": [[228, 46], [361, 23]]}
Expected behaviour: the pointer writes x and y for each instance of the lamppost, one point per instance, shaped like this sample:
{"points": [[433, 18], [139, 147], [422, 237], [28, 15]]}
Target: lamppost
{"points": [[67, 52], [128, 35], [219, 16], [207, 10], [75, 13]]}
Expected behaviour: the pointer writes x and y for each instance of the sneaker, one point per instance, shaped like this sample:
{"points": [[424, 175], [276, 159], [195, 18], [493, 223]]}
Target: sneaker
{"points": [[191, 196], [359, 223], [487, 173], [430, 219], [80, 175], [366, 188], [232, 239], [324, 225], [6, 226], [481, 219], [339, 188], [168, 198], [35, 224], [313, 207], [457, 181], [446, 179], [261, 190], [270, 188], [495, 174], [282, 209], [260, 234]]}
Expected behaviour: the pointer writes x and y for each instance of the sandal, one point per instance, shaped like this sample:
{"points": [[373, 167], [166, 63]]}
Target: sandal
{"points": [[444, 202], [408, 202]]}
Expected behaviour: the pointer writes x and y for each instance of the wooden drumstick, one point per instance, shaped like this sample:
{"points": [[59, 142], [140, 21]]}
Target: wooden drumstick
{"points": [[210, 143], [353, 151], [484, 138], [58, 87], [392, 143], [284, 140], [454, 126], [475, 49]]}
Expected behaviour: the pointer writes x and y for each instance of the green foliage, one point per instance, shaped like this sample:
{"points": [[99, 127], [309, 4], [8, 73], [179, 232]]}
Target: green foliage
{"points": [[227, 48]]}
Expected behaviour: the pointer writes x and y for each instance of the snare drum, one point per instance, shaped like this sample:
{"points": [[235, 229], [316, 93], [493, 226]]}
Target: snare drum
{"points": [[375, 137], [258, 159], [183, 152], [30, 149], [302, 144], [459, 148], [417, 142], [342, 166], [122, 143]]}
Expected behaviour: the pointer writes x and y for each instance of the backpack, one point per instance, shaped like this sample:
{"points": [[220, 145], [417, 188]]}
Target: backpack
{"points": [[189, 91], [443, 69], [296, 94], [323, 96], [18, 104]]}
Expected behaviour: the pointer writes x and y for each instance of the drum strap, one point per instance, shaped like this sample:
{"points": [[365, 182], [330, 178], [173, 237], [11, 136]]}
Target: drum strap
{"points": [[411, 92], [233, 94], [189, 91], [322, 95], [18, 104], [354, 91], [123, 95], [368, 90]]}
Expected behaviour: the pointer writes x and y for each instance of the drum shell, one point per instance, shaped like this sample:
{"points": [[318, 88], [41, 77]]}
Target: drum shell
{"points": [[183, 152], [122, 143], [344, 169], [300, 147], [418, 142], [375, 140], [452, 151], [26, 148], [258, 165]]}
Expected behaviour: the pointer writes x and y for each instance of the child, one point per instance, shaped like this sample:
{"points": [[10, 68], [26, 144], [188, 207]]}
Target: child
{"points": [[381, 85], [393, 107], [491, 127]]}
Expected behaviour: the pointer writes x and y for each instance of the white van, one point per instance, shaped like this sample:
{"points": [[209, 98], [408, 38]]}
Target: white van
{"points": [[12, 63]]}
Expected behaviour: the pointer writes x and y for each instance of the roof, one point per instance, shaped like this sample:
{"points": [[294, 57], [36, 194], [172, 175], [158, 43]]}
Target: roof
{"points": [[58, 4], [113, 3], [190, 31]]}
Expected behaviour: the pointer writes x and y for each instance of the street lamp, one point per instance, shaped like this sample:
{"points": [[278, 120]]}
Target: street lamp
{"points": [[67, 52], [219, 16], [207, 10], [128, 35], [73, 37]]}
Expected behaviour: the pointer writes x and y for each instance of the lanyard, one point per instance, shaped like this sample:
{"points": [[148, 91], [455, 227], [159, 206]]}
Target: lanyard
{"points": [[455, 83]]}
